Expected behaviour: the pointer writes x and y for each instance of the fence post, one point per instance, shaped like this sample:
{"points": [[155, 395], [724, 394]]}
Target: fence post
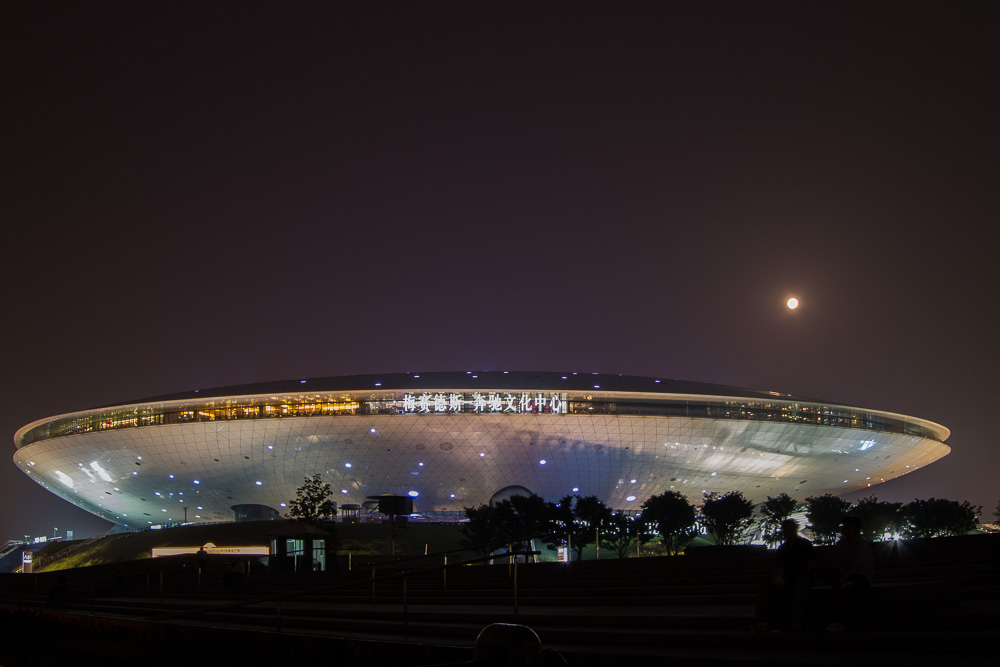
{"points": [[444, 572], [373, 585], [161, 587], [405, 610], [278, 619], [515, 585]]}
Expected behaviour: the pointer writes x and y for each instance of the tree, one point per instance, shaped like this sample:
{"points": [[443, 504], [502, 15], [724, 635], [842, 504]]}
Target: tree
{"points": [[825, 514], [673, 517], [772, 512], [481, 529], [313, 502], [938, 516], [996, 512], [728, 517], [579, 518], [620, 533], [878, 518], [514, 520]]}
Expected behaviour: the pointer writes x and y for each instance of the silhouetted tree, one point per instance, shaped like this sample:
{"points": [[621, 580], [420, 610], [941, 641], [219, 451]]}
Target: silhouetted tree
{"points": [[313, 502], [620, 533], [481, 530], [773, 511], [938, 516], [825, 514], [514, 520], [878, 517], [578, 518], [727, 517], [673, 517]]}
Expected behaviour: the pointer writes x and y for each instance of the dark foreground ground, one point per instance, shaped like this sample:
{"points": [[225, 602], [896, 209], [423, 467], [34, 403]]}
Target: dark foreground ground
{"points": [[936, 602]]}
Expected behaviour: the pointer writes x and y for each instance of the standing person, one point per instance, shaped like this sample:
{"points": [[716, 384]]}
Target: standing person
{"points": [[853, 569], [201, 559], [785, 594]]}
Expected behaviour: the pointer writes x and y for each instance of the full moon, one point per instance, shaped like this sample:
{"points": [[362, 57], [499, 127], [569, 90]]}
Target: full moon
{"points": [[793, 303]]}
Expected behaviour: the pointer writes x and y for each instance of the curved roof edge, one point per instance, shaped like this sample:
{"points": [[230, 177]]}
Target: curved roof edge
{"points": [[520, 380], [543, 380]]}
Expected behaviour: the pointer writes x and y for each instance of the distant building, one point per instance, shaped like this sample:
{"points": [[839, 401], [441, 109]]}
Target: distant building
{"points": [[452, 440]]}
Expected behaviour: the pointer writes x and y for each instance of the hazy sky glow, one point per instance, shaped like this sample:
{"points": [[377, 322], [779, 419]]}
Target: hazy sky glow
{"points": [[207, 194]]}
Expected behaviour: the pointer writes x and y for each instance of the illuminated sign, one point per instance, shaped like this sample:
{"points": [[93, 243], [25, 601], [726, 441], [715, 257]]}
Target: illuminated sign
{"points": [[484, 403], [211, 550]]}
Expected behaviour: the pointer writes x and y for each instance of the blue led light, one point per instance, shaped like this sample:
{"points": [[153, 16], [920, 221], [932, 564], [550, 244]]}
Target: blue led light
{"points": [[413, 494]]}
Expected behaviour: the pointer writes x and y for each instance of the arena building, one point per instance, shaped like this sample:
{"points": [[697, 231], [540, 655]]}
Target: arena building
{"points": [[453, 440]]}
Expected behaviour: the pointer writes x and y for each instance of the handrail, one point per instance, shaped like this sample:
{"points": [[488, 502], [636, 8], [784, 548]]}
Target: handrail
{"points": [[161, 570], [344, 585], [475, 547]]}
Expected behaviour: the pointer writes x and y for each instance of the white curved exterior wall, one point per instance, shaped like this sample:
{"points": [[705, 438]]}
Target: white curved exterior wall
{"points": [[465, 459]]}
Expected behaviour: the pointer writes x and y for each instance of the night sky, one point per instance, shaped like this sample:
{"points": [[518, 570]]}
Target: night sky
{"points": [[206, 194]]}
